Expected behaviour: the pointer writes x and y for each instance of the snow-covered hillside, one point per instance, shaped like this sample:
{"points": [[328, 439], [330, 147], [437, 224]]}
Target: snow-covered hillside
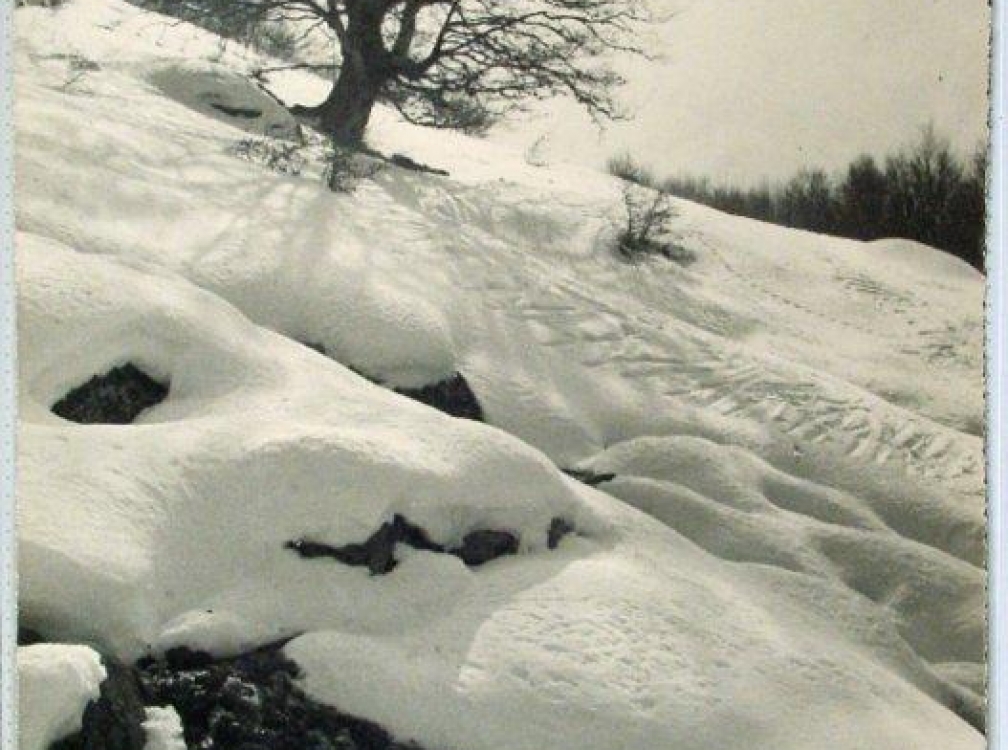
{"points": [[789, 553]]}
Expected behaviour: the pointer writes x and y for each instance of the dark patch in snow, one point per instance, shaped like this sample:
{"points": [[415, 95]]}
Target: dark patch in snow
{"points": [[247, 113], [405, 162], [182, 657], [480, 547], [452, 395], [115, 720], [589, 477], [282, 157], [252, 702], [28, 636], [558, 529], [377, 554], [116, 397]]}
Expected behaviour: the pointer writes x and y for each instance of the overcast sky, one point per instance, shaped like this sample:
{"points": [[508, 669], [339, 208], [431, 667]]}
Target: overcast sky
{"points": [[746, 89]]}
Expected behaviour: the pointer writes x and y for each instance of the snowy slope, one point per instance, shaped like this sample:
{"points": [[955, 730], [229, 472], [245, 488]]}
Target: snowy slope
{"points": [[798, 418]]}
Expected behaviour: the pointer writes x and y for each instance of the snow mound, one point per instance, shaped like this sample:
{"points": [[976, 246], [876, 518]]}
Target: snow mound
{"points": [[925, 259], [259, 442], [217, 91], [740, 508], [55, 684]]}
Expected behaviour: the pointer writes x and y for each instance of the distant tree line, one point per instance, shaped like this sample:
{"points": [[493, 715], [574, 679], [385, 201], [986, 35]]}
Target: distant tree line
{"points": [[924, 193]]}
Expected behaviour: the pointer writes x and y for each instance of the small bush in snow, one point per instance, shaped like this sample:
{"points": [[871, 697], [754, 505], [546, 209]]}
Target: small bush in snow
{"points": [[649, 214], [347, 167], [280, 156]]}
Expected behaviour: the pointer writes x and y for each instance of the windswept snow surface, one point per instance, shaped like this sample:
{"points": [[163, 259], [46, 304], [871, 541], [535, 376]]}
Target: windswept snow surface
{"points": [[55, 684], [797, 417]]}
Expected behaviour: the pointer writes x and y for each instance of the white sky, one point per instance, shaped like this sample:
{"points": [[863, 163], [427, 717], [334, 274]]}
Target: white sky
{"points": [[751, 88]]}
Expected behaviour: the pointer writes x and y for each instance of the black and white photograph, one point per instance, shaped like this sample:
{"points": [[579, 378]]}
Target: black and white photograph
{"points": [[500, 374]]}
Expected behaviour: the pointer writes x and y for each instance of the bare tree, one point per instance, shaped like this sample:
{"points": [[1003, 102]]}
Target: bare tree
{"points": [[446, 62]]}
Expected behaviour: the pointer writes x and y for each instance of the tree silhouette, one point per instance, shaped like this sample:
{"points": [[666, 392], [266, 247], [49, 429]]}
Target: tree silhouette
{"points": [[450, 62]]}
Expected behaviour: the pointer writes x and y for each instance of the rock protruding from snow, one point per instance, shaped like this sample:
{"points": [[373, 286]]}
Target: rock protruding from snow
{"points": [[117, 397], [452, 395], [377, 554], [591, 478], [55, 684], [115, 719], [253, 701], [484, 545]]}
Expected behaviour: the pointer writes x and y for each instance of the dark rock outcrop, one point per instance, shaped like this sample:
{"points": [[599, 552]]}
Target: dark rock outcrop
{"points": [[28, 636], [452, 395], [116, 397], [115, 720], [589, 477], [247, 113], [479, 547], [406, 162], [558, 529], [377, 553], [252, 702]]}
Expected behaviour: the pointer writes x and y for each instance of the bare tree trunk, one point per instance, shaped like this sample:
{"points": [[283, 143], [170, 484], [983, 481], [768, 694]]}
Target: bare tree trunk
{"points": [[345, 112], [364, 71]]}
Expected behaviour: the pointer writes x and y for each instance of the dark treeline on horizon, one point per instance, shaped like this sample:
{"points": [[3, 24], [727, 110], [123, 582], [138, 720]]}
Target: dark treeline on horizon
{"points": [[924, 192]]}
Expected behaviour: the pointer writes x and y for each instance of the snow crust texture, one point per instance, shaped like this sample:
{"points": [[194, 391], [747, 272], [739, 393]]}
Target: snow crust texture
{"points": [[789, 553]]}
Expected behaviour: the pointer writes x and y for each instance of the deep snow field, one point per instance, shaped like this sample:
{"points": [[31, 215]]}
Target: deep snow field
{"points": [[790, 554]]}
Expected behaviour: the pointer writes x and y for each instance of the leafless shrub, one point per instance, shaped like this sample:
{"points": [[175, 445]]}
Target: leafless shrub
{"points": [[647, 227]]}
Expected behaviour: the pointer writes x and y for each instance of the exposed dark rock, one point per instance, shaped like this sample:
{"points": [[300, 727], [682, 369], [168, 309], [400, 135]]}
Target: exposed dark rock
{"points": [[28, 637], [479, 547], [589, 477], [378, 552], [405, 162], [247, 113], [252, 702], [558, 529], [115, 720], [182, 657], [116, 397], [452, 395]]}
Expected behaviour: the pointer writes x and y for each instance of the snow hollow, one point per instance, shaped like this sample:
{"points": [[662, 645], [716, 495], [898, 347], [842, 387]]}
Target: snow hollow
{"points": [[730, 503]]}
